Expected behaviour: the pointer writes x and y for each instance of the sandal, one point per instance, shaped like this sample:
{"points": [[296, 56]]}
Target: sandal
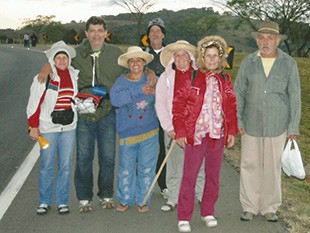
{"points": [[63, 209], [122, 208], [168, 207], [42, 209], [143, 209], [85, 206], [106, 203]]}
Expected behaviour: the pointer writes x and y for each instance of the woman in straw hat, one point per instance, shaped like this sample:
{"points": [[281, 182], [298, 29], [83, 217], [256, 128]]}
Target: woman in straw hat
{"points": [[51, 113], [175, 56], [137, 127], [205, 121]]}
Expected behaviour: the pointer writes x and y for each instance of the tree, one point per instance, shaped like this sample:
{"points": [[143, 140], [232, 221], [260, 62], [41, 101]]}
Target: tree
{"points": [[44, 25], [70, 35], [198, 25], [137, 8], [36, 25], [291, 15]]}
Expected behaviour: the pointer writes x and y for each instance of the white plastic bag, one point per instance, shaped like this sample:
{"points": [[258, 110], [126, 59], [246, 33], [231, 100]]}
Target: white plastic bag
{"points": [[291, 161], [85, 105]]}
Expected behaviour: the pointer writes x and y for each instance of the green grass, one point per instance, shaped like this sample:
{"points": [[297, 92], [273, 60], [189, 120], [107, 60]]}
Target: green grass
{"points": [[296, 193]]}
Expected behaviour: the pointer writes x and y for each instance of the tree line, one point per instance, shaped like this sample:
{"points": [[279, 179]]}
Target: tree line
{"points": [[191, 24]]}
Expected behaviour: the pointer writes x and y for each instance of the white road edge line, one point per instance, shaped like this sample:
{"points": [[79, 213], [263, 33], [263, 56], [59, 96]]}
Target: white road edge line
{"points": [[11, 190]]}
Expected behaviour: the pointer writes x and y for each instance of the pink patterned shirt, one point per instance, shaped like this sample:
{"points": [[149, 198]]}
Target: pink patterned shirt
{"points": [[210, 119]]}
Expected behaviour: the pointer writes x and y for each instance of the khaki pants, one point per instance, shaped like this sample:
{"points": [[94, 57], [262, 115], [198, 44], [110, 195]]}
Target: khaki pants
{"points": [[260, 173]]}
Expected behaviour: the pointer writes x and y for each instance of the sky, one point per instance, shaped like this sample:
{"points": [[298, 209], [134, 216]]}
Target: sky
{"points": [[13, 12]]}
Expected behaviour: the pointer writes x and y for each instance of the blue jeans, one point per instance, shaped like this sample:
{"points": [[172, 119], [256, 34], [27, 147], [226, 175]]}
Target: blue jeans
{"points": [[61, 144], [137, 165], [87, 133]]}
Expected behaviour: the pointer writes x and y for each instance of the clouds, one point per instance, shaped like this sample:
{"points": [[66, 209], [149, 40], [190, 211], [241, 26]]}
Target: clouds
{"points": [[13, 13]]}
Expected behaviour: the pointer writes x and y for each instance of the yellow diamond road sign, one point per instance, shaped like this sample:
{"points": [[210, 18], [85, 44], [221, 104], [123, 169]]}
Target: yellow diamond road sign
{"points": [[144, 40], [108, 36], [230, 58]]}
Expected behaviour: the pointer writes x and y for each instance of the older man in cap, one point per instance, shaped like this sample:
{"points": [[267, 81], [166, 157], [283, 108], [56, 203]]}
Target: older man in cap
{"points": [[269, 107], [156, 32]]}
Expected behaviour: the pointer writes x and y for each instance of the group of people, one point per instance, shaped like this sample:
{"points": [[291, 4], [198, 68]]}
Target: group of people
{"points": [[30, 40], [189, 100]]}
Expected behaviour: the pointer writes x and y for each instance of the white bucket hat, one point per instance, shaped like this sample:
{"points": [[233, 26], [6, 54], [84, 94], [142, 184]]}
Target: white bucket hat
{"points": [[134, 52], [58, 47], [170, 49]]}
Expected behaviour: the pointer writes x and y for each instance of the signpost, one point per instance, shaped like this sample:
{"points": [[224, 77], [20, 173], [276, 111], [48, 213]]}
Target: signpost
{"points": [[230, 58], [143, 40]]}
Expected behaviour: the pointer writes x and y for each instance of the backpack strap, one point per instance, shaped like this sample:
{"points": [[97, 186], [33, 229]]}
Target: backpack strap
{"points": [[194, 73], [224, 76], [47, 82]]}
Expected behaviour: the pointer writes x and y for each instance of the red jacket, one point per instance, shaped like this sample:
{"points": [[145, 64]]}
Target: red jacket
{"points": [[188, 100]]}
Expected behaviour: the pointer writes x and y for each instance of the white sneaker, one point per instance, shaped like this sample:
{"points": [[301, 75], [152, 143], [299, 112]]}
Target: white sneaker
{"points": [[183, 226], [210, 221]]}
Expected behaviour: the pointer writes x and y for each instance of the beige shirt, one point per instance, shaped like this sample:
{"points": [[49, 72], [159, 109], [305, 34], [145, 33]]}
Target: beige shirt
{"points": [[267, 64]]}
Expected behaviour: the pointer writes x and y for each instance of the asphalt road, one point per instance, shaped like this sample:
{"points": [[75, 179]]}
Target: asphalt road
{"points": [[18, 67]]}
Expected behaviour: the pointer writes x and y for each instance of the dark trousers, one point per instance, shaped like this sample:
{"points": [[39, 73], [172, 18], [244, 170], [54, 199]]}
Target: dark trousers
{"points": [[162, 154]]}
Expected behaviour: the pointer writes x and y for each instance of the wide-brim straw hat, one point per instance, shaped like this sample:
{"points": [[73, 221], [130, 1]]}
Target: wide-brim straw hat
{"points": [[58, 47], [134, 52], [170, 49], [269, 27]]}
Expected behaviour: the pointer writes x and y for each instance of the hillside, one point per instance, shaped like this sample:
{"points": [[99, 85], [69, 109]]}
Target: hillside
{"points": [[189, 24]]}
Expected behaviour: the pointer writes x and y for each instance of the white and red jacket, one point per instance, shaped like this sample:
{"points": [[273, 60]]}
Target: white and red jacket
{"points": [[42, 101]]}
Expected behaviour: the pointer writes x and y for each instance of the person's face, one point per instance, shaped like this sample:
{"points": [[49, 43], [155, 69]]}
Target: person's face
{"points": [[136, 65], [61, 61], [156, 36], [267, 44], [181, 59], [212, 58], [96, 35]]}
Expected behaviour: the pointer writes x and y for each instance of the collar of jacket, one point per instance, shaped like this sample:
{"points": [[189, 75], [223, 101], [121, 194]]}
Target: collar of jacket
{"points": [[85, 48], [280, 55]]}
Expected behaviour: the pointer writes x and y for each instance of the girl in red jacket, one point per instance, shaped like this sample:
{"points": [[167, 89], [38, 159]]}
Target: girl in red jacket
{"points": [[205, 121]]}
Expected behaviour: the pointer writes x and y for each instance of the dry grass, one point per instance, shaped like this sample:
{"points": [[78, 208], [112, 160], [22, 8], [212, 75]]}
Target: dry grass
{"points": [[296, 193]]}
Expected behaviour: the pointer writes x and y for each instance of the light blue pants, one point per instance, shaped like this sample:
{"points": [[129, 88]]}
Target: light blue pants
{"points": [[61, 146], [136, 172]]}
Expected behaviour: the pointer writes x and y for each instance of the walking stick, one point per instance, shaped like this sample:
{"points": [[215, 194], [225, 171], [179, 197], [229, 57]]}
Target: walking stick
{"points": [[170, 147]]}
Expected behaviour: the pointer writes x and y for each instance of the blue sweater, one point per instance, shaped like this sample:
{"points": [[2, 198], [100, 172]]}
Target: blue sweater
{"points": [[135, 114]]}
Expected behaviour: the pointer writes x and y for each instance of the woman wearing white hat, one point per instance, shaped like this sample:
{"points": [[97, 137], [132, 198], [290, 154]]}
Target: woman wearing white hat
{"points": [[137, 127], [52, 114], [175, 56]]}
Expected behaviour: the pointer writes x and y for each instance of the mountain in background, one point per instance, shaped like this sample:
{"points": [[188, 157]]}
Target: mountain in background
{"points": [[189, 24]]}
